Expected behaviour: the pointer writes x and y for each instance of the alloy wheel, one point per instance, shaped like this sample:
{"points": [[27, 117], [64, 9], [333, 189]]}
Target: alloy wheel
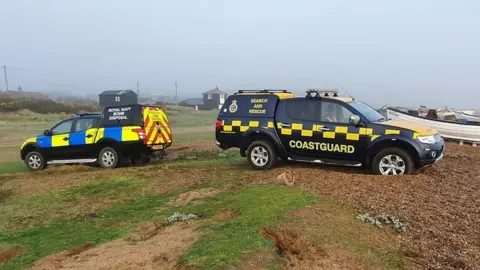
{"points": [[392, 165], [259, 156], [35, 162]]}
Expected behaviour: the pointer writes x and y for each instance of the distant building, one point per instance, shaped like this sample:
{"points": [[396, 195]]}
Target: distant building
{"points": [[26, 95], [214, 99], [147, 101], [117, 97], [196, 103]]}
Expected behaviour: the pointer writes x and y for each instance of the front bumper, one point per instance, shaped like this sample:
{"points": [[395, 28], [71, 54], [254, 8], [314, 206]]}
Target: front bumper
{"points": [[429, 162], [432, 153]]}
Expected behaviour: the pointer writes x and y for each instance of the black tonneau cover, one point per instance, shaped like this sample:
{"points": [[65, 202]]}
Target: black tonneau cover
{"points": [[125, 115]]}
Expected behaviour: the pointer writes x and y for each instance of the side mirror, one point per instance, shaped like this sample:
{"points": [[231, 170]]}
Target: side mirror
{"points": [[354, 119], [47, 133]]}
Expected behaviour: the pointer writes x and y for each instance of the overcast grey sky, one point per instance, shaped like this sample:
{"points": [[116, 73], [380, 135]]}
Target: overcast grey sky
{"points": [[395, 52]]}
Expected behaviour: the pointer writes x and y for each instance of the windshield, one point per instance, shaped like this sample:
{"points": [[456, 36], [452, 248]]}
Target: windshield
{"points": [[367, 111]]}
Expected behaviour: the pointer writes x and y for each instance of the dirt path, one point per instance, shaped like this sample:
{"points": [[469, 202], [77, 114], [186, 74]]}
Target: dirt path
{"points": [[161, 251]]}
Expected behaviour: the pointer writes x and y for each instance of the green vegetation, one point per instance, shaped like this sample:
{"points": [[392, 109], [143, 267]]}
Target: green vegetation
{"points": [[44, 106], [201, 136], [101, 210], [28, 211], [257, 207], [187, 117], [338, 226], [12, 167]]}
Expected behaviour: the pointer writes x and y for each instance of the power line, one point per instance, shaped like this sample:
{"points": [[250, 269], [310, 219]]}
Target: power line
{"points": [[6, 78]]}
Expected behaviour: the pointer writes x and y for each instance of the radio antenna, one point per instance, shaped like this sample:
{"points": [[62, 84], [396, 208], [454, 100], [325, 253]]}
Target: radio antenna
{"points": [[347, 92]]}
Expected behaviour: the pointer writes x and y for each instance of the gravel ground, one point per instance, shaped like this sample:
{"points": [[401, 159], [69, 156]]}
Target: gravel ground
{"points": [[439, 205]]}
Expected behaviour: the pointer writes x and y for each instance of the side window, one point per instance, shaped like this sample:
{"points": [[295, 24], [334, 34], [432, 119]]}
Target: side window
{"points": [[334, 112], [63, 127], [301, 110], [84, 124]]}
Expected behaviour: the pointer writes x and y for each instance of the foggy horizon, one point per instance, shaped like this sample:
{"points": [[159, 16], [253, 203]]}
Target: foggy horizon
{"points": [[402, 53]]}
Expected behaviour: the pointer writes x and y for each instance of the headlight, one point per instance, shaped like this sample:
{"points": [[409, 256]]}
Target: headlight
{"points": [[426, 139]]}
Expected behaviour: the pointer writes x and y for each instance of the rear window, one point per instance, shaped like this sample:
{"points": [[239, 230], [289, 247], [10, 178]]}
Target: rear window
{"points": [[249, 106], [129, 115], [301, 109]]}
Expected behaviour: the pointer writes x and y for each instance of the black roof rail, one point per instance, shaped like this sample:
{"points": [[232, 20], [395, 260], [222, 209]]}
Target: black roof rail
{"points": [[87, 114], [270, 91], [318, 92]]}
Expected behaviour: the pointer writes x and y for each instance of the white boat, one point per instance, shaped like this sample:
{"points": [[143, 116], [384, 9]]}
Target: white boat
{"points": [[465, 116], [469, 132]]}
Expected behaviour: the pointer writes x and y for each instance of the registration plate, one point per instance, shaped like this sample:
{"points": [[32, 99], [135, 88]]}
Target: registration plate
{"points": [[157, 147]]}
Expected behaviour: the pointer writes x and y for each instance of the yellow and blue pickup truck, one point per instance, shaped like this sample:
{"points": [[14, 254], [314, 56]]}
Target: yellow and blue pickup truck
{"points": [[132, 133], [322, 127]]}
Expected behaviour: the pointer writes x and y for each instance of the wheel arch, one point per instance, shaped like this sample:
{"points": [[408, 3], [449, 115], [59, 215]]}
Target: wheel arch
{"points": [[27, 148], [261, 134], [107, 142], [401, 143]]}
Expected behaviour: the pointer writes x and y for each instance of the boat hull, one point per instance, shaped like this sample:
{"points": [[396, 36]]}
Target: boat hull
{"points": [[468, 117], [450, 130]]}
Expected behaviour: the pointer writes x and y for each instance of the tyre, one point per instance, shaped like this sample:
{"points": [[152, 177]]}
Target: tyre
{"points": [[141, 159], [35, 161], [261, 155], [108, 158], [393, 161]]}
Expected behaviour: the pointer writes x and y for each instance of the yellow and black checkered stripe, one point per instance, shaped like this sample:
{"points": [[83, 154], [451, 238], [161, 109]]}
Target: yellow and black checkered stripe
{"points": [[348, 133], [310, 130], [242, 126]]}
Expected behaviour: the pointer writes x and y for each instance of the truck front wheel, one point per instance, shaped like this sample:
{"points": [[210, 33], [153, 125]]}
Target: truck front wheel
{"points": [[261, 155], [393, 161], [35, 161]]}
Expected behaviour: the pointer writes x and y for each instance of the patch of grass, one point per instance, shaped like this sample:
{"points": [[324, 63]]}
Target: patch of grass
{"points": [[58, 236], [201, 136], [191, 118], [225, 242], [195, 154], [12, 167], [333, 225], [208, 158], [26, 211], [62, 234], [109, 224], [223, 245], [376, 256]]}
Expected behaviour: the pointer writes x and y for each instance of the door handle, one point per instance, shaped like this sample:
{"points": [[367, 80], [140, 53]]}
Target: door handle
{"points": [[324, 129], [285, 125], [65, 138], [89, 136]]}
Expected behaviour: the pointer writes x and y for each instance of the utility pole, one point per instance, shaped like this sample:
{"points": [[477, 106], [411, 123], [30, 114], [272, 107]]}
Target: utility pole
{"points": [[6, 79], [138, 88], [176, 92]]}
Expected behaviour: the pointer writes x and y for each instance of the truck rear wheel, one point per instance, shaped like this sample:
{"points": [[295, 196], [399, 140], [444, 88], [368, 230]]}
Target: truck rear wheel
{"points": [[108, 158], [261, 155], [140, 159], [393, 161]]}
